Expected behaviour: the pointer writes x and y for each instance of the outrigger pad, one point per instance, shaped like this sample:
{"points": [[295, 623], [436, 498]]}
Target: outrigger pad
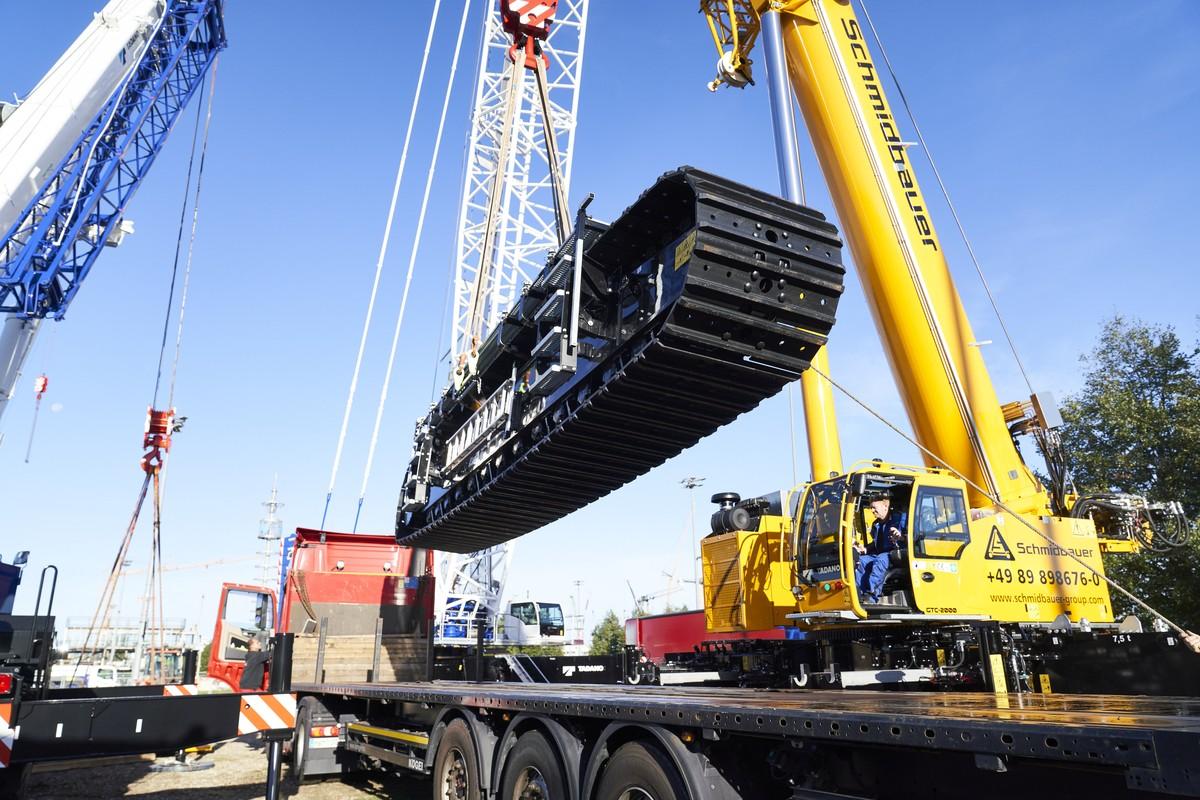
{"points": [[701, 300]]}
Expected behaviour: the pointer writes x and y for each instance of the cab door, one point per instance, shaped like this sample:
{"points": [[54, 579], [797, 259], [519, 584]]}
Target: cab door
{"points": [[245, 612], [938, 540]]}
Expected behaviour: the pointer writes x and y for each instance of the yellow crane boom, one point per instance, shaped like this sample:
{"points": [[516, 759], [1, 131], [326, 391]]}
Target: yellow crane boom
{"points": [[946, 389]]}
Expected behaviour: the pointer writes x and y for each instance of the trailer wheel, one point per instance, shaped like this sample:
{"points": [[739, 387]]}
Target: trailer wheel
{"points": [[456, 766], [300, 741], [640, 772], [532, 771]]}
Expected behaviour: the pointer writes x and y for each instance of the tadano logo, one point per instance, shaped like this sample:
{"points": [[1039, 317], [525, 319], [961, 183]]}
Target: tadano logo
{"points": [[568, 671]]}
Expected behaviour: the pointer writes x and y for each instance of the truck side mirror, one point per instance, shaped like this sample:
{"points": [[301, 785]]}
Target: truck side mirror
{"points": [[860, 484], [22, 559]]}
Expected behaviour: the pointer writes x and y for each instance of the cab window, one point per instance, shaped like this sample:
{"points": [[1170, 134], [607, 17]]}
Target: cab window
{"points": [[551, 614], [940, 524], [819, 524], [525, 613]]}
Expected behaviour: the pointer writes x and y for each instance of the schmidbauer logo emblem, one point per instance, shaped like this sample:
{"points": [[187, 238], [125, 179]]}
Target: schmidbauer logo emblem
{"points": [[997, 548]]}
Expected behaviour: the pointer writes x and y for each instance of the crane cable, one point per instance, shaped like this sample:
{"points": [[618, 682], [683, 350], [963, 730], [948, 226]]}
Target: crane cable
{"points": [[412, 259], [1192, 639], [383, 248], [187, 268], [154, 579], [949, 203], [100, 617]]}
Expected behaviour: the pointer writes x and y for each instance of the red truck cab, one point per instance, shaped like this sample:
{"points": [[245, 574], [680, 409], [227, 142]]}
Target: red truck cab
{"points": [[349, 580]]}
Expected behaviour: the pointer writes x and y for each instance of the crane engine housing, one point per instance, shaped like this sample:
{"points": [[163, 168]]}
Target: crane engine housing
{"points": [[635, 341]]}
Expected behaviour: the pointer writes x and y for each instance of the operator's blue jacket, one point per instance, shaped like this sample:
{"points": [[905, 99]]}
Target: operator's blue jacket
{"points": [[880, 541]]}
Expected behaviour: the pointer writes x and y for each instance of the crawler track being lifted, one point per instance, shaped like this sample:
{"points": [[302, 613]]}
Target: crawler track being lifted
{"points": [[701, 300]]}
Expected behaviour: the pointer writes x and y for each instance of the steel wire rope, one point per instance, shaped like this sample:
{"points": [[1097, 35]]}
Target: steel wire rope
{"points": [[160, 475], [437, 354], [962, 231], [187, 265], [412, 260], [104, 607], [1191, 638], [383, 248], [187, 190]]}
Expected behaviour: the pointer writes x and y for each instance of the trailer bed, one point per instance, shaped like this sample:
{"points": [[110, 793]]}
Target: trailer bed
{"points": [[1155, 740]]}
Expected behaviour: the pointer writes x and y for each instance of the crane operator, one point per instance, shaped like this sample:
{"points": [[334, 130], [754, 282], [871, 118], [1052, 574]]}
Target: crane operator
{"points": [[885, 538]]}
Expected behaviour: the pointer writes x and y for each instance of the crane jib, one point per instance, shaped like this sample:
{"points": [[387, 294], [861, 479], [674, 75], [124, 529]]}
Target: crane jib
{"points": [[701, 300]]}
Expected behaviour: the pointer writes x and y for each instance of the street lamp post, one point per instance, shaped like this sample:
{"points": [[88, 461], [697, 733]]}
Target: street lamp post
{"points": [[690, 483]]}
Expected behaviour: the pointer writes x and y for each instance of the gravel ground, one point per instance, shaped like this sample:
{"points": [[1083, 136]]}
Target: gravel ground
{"points": [[239, 773]]}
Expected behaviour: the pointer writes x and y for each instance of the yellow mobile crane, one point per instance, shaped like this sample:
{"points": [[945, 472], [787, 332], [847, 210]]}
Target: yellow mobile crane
{"points": [[986, 540]]}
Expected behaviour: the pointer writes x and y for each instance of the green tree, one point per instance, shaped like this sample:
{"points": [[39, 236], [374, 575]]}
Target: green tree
{"points": [[608, 638], [1135, 427], [205, 652]]}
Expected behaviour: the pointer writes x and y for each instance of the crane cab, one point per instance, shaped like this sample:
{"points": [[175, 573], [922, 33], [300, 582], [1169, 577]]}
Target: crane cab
{"points": [[805, 563]]}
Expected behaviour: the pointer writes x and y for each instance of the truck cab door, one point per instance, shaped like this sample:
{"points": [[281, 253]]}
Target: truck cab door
{"points": [[939, 535], [244, 613]]}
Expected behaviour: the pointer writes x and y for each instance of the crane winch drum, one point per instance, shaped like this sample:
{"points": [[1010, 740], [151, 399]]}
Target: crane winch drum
{"points": [[637, 339]]}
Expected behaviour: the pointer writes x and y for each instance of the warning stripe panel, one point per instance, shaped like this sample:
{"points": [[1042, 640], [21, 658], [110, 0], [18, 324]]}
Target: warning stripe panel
{"points": [[180, 690], [265, 712], [6, 734]]}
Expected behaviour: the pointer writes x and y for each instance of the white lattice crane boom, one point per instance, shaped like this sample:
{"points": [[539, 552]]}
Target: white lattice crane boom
{"points": [[509, 222]]}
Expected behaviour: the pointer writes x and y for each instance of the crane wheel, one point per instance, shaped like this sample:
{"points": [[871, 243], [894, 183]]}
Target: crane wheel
{"points": [[640, 772], [532, 771], [456, 767]]}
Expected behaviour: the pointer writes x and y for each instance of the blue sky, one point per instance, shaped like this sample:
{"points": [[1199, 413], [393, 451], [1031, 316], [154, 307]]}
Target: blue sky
{"points": [[1065, 133]]}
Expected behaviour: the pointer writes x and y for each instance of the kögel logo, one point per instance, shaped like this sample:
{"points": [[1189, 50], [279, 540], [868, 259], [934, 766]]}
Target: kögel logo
{"points": [[997, 548]]}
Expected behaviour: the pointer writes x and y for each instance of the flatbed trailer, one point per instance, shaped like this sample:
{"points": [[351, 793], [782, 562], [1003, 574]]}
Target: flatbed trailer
{"points": [[622, 742]]}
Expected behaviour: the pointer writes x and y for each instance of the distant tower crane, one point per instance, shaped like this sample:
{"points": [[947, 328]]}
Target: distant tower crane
{"points": [[75, 150], [516, 182]]}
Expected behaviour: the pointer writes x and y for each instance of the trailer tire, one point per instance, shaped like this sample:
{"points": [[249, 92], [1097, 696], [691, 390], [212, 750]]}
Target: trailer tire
{"points": [[640, 771], [300, 742], [532, 770], [456, 765]]}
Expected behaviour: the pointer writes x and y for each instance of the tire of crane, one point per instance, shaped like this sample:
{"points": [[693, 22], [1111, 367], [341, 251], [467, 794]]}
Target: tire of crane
{"points": [[456, 765], [533, 771], [640, 771]]}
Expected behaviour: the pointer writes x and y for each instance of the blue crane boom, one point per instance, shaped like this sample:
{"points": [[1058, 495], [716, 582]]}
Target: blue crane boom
{"points": [[47, 252]]}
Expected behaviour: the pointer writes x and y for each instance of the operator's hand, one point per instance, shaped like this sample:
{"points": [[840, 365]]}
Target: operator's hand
{"points": [[895, 535], [1192, 640], [858, 548]]}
